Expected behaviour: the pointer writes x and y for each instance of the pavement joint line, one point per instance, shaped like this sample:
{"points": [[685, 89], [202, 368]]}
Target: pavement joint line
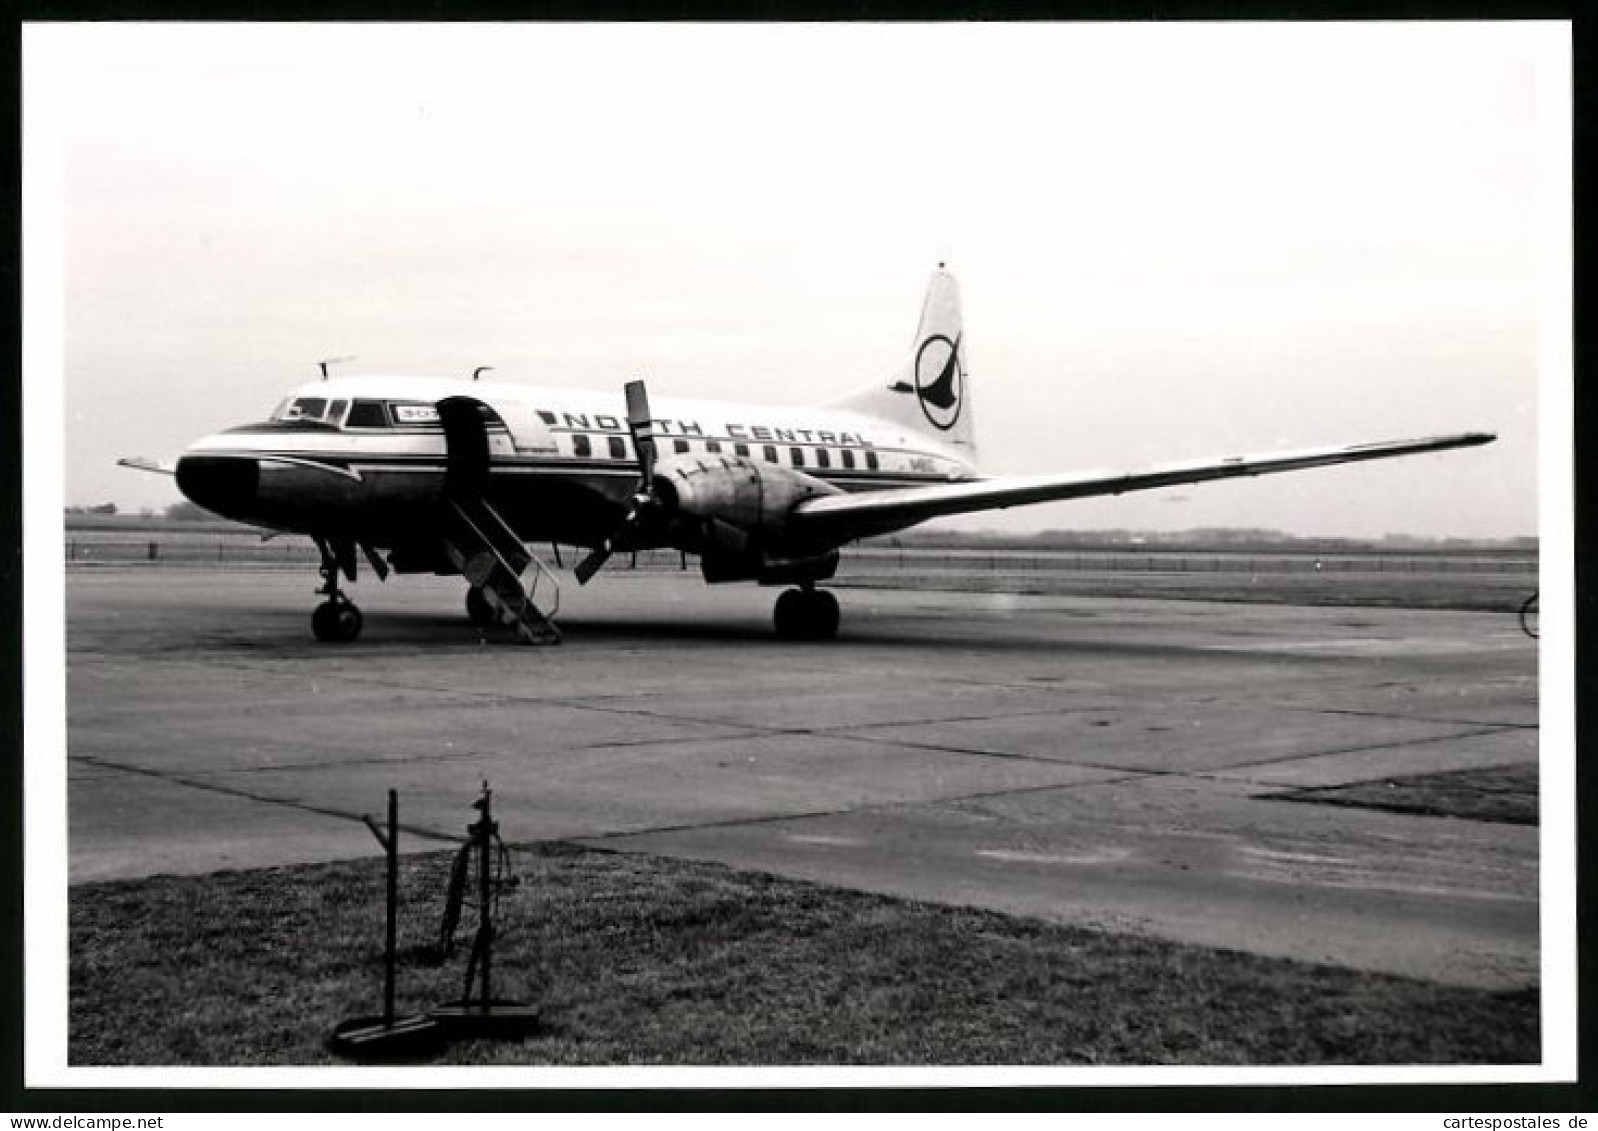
{"points": [[743, 729], [845, 811], [1124, 775], [1361, 749], [246, 795], [746, 730], [1004, 755], [990, 717], [416, 759], [1211, 774], [555, 701], [229, 771], [1412, 718]]}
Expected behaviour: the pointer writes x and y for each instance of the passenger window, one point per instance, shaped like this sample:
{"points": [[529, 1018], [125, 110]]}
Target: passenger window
{"points": [[367, 414], [713, 445], [848, 458], [771, 453], [797, 455], [680, 447], [822, 459], [618, 448], [871, 460], [740, 449], [581, 446]]}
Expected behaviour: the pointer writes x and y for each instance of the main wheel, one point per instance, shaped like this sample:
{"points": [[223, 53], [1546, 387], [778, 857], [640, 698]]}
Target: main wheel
{"points": [[790, 614], [478, 609], [824, 615], [336, 622], [806, 615]]}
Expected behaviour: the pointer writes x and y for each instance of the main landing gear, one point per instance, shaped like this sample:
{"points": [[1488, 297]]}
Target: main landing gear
{"points": [[807, 613], [336, 620]]}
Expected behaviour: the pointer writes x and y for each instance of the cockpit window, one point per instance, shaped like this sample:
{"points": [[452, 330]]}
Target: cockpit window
{"points": [[367, 414], [306, 408]]}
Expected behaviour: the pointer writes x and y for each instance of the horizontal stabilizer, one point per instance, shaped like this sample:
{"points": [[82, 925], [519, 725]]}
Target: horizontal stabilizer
{"points": [[841, 518]]}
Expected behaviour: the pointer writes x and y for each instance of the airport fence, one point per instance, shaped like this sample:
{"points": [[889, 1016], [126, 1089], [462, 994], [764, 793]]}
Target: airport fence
{"points": [[202, 549]]}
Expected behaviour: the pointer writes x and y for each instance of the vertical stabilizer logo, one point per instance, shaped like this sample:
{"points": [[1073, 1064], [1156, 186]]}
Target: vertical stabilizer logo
{"points": [[940, 381]]}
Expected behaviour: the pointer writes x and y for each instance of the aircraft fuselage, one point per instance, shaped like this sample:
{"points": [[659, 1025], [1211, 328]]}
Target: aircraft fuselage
{"points": [[366, 457]]}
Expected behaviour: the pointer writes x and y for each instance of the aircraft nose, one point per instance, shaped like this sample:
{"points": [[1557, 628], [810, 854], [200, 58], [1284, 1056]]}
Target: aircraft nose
{"points": [[225, 485]]}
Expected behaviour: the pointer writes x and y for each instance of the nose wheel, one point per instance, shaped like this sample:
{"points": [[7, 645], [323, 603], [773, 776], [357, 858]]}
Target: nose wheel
{"points": [[336, 620], [806, 614]]}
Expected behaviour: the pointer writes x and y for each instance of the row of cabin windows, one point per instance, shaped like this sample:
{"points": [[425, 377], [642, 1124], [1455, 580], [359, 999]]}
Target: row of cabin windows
{"points": [[381, 414], [583, 447]]}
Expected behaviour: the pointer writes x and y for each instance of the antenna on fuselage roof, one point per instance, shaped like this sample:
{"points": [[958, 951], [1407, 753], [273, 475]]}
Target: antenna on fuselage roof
{"points": [[480, 370], [325, 362]]}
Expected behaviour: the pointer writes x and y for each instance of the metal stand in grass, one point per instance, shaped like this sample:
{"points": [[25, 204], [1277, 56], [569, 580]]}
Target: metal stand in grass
{"points": [[479, 1013], [388, 1037]]}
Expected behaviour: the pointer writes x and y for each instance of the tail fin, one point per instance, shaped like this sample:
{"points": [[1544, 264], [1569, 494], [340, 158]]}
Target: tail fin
{"points": [[929, 391]]}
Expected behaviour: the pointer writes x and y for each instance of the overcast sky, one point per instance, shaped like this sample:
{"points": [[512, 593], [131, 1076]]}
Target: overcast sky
{"points": [[1173, 241]]}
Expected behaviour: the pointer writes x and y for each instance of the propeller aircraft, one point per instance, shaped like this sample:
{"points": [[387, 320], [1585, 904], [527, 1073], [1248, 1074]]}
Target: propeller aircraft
{"points": [[419, 474]]}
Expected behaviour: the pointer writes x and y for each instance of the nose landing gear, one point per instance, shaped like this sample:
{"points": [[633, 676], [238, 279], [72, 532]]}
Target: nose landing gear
{"points": [[336, 620], [806, 613]]}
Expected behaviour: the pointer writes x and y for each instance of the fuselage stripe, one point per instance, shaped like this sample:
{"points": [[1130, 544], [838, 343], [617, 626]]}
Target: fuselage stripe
{"points": [[428, 463]]}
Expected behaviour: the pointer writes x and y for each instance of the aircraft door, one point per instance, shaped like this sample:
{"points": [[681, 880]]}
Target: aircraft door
{"points": [[466, 442], [472, 445]]}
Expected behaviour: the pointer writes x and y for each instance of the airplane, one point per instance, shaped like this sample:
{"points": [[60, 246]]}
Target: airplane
{"points": [[457, 476]]}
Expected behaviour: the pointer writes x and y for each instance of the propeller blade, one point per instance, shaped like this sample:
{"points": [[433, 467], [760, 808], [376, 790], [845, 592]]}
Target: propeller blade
{"points": [[591, 564], [642, 426], [601, 554]]}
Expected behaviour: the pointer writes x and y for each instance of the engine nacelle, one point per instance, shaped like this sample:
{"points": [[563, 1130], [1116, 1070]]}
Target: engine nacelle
{"points": [[767, 569], [754, 497], [734, 513]]}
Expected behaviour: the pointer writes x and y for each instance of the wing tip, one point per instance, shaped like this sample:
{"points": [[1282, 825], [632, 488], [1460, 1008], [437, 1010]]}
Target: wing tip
{"points": [[143, 463]]}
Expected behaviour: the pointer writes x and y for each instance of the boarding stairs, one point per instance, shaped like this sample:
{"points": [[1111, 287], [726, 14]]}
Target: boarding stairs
{"points": [[481, 544]]}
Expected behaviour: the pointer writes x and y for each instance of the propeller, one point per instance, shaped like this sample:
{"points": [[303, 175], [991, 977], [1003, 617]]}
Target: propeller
{"points": [[642, 426]]}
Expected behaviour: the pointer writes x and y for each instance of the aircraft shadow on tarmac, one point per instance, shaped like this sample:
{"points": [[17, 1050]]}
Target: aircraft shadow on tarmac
{"points": [[918, 631]]}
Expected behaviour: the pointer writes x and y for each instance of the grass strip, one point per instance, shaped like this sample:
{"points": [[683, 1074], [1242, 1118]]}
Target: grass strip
{"points": [[1495, 793], [639, 960]]}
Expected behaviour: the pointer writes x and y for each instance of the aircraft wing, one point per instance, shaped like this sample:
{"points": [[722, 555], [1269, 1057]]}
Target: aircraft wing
{"points": [[842, 518], [140, 463]]}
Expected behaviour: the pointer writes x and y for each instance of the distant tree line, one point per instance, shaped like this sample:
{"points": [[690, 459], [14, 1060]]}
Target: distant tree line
{"points": [[184, 511], [1240, 538], [1220, 537]]}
